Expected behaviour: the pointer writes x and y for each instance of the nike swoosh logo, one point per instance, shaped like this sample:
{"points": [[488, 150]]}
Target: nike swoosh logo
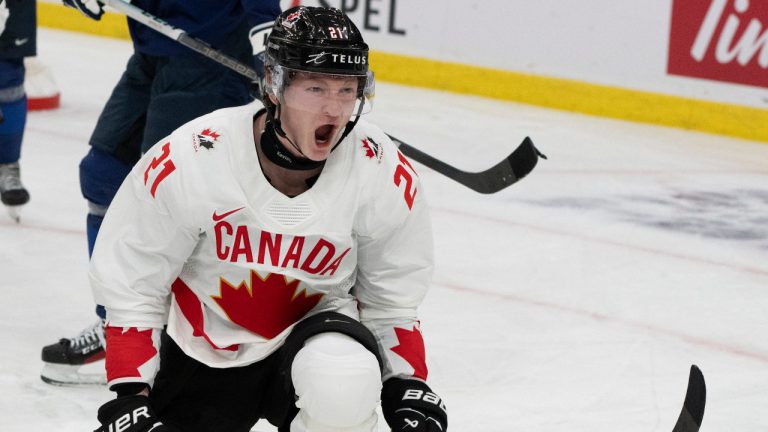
{"points": [[217, 217], [155, 426], [20, 42], [334, 320]]}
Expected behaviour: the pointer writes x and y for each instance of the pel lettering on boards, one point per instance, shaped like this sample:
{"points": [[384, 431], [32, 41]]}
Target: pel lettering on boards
{"points": [[370, 11]]}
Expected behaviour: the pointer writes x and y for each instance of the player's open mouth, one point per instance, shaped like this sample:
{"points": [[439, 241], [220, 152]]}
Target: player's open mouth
{"points": [[323, 134]]}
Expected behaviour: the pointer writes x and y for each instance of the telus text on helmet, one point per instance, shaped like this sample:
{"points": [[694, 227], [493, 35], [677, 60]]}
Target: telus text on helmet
{"points": [[348, 59], [320, 58]]}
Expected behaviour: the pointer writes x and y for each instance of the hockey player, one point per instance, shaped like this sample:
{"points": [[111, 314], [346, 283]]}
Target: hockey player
{"points": [[18, 31], [285, 246], [164, 86]]}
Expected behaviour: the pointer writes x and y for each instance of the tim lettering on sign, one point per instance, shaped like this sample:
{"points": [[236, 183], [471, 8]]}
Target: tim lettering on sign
{"points": [[722, 40]]}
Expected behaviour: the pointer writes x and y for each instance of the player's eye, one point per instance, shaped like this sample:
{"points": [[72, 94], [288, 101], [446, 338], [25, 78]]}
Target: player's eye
{"points": [[347, 93]]}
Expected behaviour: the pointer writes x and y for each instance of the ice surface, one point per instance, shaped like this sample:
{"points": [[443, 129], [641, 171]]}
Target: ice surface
{"points": [[575, 300]]}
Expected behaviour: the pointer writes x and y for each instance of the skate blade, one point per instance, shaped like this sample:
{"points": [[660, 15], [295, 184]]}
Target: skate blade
{"points": [[72, 375], [15, 212]]}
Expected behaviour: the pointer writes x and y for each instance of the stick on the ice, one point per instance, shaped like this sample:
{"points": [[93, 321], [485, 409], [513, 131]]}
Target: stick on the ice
{"points": [[505, 173], [695, 400]]}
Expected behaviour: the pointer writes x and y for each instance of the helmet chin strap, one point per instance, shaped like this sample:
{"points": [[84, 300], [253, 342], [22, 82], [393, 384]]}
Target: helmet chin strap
{"points": [[277, 125], [275, 150]]}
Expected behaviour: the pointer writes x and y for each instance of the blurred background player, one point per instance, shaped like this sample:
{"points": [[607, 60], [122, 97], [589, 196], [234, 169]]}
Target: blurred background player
{"points": [[287, 246], [18, 33], [164, 86]]}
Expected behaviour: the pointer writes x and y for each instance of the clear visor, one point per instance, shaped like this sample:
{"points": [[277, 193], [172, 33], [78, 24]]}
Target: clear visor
{"points": [[320, 93]]}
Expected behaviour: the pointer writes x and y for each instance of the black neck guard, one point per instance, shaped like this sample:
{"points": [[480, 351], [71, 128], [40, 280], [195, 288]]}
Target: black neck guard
{"points": [[276, 152]]}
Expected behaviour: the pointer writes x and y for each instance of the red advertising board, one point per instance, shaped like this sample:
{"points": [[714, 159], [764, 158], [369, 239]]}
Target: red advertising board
{"points": [[722, 40]]}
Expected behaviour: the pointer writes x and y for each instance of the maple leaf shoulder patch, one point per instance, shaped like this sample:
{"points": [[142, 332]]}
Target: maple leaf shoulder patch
{"points": [[372, 149], [206, 139]]}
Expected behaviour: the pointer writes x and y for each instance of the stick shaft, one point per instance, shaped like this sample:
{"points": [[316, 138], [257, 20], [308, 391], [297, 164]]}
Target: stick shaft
{"points": [[182, 37], [492, 180]]}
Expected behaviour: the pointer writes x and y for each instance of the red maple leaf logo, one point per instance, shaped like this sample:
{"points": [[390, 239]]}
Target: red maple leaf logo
{"points": [[266, 306], [127, 351], [368, 150], [209, 133], [411, 349]]}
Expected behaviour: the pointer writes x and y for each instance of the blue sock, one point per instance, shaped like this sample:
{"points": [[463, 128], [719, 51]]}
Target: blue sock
{"points": [[93, 224], [101, 312], [12, 129]]}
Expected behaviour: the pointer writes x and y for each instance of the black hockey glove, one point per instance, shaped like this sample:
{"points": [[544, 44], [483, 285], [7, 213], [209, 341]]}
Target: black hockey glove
{"points": [[93, 9], [410, 405], [129, 414]]}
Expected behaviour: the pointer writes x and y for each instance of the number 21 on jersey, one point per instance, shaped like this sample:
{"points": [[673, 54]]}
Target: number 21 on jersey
{"points": [[404, 174], [160, 167]]}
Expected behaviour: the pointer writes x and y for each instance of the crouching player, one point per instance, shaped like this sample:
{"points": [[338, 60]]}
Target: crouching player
{"points": [[284, 246]]}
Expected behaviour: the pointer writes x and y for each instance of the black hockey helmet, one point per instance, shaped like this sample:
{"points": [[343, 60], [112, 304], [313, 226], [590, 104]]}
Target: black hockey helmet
{"points": [[315, 40]]}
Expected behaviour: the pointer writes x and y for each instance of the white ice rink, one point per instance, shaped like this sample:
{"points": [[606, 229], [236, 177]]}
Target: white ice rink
{"points": [[575, 300]]}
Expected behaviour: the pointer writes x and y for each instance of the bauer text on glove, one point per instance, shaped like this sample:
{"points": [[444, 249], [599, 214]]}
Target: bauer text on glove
{"points": [[410, 405], [129, 414]]}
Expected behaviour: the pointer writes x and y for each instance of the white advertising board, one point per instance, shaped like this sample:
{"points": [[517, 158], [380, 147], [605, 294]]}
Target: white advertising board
{"points": [[620, 43]]}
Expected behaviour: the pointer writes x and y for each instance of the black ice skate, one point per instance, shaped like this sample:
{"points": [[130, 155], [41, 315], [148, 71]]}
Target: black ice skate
{"points": [[12, 193], [66, 362]]}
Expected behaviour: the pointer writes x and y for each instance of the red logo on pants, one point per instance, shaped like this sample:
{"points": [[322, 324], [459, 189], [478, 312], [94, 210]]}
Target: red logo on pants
{"points": [[722, 40]]}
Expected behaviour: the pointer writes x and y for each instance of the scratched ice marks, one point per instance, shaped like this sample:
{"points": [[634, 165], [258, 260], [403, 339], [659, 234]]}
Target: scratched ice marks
{"points": [[738, 214]]}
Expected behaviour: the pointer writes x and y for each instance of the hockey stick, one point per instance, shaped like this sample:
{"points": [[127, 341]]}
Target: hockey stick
{"points": [[505, 173], [695, 400], [181, 37]]}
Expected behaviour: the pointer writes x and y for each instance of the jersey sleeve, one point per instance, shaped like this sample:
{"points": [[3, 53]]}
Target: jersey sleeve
{"points": [[142, 245], [395, 261]]}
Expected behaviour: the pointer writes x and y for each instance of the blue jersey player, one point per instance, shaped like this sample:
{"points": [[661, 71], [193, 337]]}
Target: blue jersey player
{"points": [[17, 40], [164, 86]]}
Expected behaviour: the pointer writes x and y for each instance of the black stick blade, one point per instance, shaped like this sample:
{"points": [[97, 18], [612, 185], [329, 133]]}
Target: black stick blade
{"points": [[695, 400], [505, 173], [523, 160]]}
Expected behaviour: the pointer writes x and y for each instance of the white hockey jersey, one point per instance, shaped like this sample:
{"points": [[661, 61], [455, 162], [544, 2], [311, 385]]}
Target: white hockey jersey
{"points": [[198, 239]]}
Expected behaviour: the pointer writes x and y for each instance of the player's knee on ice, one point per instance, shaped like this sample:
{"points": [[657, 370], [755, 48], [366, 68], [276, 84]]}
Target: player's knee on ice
{"points": [[338, 385]]}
